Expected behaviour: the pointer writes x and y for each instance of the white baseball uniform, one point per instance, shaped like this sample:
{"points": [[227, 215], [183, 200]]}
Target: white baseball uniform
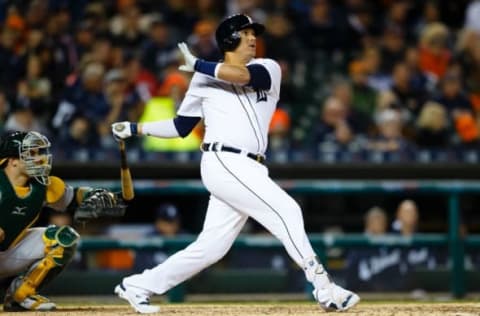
{"points": [[240, 187]]}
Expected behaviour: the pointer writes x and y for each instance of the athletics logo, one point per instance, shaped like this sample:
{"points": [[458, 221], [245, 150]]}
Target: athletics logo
{"points": [[261, 95]]}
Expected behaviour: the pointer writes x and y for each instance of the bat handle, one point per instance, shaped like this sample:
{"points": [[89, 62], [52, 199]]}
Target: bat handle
{"points": [[123, 155]]}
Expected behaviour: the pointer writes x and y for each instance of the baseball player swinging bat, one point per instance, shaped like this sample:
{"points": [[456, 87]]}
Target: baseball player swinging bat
{"points": [[125, 176]]}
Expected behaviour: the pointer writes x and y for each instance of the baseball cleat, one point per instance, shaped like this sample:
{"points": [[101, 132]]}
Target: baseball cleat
{"points": [[140, 302], [335, 298], [30, 303]]}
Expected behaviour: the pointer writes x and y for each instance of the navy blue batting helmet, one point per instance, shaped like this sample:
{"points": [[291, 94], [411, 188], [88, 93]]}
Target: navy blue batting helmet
{"points": [[227, 34]]}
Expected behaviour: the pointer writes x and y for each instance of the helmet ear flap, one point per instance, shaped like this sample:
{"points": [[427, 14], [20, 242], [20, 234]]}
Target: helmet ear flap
{"points": [[231, 42]]}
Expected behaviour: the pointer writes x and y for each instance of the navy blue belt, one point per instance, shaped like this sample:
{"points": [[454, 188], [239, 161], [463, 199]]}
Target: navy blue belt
{"points": [[219, 147]]}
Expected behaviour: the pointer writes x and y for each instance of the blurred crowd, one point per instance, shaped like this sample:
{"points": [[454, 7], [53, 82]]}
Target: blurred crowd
{"points": [[363, 80]]}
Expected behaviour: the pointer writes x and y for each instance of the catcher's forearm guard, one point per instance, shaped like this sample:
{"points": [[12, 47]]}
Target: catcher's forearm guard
{"points": [[99, 203]]}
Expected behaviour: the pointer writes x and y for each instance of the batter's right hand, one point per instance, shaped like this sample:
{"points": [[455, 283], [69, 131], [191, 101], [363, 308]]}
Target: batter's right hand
{"points": [[123, 130]]}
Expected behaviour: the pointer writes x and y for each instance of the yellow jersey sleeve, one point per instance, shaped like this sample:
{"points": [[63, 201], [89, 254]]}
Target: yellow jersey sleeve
{"points": [[55, 190]]}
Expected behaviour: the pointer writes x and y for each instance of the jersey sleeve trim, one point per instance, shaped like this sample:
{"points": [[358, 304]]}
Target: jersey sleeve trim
{"points": [[259, 77]]}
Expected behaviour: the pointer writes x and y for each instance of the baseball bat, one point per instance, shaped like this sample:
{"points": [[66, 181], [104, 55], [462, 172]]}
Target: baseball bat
{"points": [[125, 176]]}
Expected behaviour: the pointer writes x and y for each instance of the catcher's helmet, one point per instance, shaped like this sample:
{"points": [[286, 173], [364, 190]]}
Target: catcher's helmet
{"points": [[33, 149], [10, 144], [227, 32]]}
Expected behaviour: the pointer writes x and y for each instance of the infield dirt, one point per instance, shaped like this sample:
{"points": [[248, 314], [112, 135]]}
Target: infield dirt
{"points": [[280, 309]]}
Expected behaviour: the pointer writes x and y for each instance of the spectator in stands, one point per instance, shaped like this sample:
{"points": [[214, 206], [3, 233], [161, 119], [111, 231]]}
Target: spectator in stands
{"points": [[124, 103], [5, 108], [319, 30], [467, 129], [139, 79], [334, 135], [157, 50], [34, 90], [334, 114], [21, 118], [278, 139], [397, 17], [79, 141], [430, 14], [84, 38], [363, 95], [282, 44], [174, 84], [368, 269], [372, 60], [406, 224], [390, 144], [406, 218], [202, 41], [432, 127], [84, 96], [434, 54], [10, 67], [209, 9], [471, 16], [409, 100], [418, 79], [375, 222], [167, 224], [102, 51], [468, 52], [452, 94], [392, 47], [360, 121], [128, 33]]}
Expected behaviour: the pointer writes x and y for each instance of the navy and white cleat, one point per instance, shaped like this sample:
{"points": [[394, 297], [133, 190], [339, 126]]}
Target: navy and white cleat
{"points": [[139, 301], [335, 298]]}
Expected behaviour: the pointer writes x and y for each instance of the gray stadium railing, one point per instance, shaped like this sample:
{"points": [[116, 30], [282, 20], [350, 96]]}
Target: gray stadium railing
{"points": [[453, 240]]}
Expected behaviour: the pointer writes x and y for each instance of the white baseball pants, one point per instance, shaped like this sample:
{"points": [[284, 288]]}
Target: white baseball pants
{"points": [[240, 187]]}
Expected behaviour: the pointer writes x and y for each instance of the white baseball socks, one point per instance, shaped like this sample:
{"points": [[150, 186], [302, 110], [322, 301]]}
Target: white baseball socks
{"points": [[329, 296]]}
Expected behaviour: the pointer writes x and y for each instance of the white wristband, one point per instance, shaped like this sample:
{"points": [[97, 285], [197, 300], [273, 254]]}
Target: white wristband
{"points": [[217, 68]]}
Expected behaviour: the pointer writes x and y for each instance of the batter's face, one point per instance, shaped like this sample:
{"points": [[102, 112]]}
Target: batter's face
{"points": [[248, 43]]}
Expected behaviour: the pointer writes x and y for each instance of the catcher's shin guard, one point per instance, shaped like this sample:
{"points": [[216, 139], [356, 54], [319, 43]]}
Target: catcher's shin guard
{"points": [[60, 244]]}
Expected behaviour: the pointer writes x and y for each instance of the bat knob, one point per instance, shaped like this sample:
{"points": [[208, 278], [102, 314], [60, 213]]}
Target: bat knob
{"points": [[119, 127]]}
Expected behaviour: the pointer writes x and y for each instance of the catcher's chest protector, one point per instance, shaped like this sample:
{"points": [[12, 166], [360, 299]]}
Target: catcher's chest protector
{"points": [[17, 214]]}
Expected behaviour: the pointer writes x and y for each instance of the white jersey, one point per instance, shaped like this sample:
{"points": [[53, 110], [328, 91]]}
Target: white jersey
{"points": [[234, 115]]}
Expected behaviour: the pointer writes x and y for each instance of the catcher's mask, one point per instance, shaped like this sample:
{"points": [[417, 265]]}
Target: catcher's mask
{"points": [[33, 149], [227, 35]]}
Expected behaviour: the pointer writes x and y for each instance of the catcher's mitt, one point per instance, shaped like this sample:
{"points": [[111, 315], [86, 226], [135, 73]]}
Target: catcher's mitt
{"points": [[100, 203]]}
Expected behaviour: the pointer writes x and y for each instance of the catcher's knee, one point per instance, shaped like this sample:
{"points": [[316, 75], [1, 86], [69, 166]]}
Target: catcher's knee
{"points": [[60, 243], [59, 248]]}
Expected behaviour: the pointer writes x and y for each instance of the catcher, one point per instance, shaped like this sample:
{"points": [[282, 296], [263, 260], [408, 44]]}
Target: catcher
{"points": [[34, 256]]}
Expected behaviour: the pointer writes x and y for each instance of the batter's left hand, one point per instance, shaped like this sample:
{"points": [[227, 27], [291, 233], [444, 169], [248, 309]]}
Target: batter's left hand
{"points": [[190, 60]]}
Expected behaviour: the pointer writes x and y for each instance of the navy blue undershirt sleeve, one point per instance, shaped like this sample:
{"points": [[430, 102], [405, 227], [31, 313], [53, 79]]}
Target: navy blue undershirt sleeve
{"points": [[205, 67], [259, 77], [185, 124]]}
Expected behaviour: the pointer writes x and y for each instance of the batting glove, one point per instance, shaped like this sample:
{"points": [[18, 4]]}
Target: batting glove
{"points": [[123, 130], [190, 60]]}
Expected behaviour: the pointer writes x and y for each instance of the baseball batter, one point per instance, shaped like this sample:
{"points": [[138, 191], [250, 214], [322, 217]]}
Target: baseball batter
{"points": [[236, 99], [36, 255]]}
